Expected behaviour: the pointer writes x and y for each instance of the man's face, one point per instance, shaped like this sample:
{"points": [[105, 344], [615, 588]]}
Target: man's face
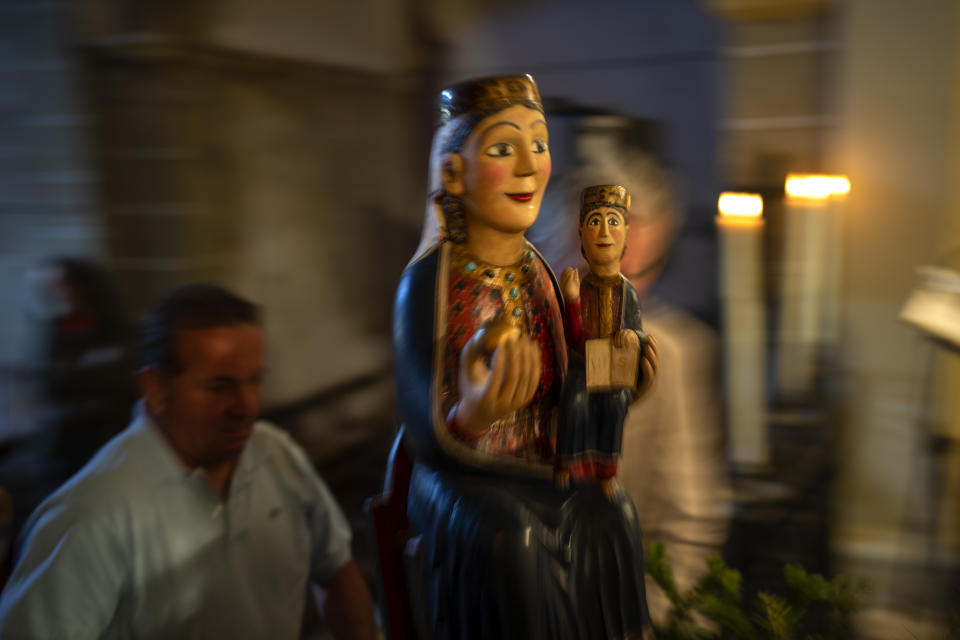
{"points": [[602, 236], [648, 240], [209, 407]]}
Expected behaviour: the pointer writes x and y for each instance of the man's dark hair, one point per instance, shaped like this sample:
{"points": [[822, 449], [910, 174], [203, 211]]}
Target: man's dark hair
{"points": [[194, 306]]}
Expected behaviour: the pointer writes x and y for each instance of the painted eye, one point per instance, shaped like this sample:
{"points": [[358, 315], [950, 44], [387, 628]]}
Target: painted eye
{"points": [[613, 221], [593, 222], [539, 145], [499, 150]]}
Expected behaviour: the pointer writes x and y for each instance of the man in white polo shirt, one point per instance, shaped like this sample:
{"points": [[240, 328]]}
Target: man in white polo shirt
{"points": [[197, 521]]}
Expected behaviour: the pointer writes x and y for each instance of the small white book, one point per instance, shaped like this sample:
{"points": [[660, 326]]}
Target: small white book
{"points": [[610, 367]]}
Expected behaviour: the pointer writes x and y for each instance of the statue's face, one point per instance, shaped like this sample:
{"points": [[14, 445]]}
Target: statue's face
{"points": [[502, 170], [602, 236]]}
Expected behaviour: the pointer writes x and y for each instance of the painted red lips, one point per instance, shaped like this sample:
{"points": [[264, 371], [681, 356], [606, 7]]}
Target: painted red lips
{"points": [[521, 197]]}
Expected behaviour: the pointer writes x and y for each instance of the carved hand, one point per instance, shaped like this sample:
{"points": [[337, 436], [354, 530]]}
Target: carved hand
{"points": [[570, 284], [626, 338], [649, 365], [514, 376]]}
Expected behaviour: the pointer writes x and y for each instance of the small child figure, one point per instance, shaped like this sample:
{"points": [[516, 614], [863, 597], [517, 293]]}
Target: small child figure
{"points": [[605, 306]]}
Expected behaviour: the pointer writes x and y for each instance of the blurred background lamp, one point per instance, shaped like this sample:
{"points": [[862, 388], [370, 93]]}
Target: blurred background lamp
{"points": [[818, 187], [740, 228], [740, 205], [810, 277]]}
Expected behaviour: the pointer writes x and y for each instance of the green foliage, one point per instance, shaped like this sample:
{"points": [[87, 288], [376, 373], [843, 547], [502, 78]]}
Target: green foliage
{"points": [[813, 608], [776, 616]]}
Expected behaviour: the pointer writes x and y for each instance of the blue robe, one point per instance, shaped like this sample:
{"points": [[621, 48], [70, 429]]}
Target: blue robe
{"points": [[505, 554]]}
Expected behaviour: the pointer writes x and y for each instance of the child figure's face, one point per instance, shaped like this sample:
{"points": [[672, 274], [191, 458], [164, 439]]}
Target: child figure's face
{"points": [[602, 236]]}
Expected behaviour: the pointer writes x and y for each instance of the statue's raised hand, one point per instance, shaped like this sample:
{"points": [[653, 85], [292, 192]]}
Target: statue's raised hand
{"points": [[570, 284], [488, 394]]}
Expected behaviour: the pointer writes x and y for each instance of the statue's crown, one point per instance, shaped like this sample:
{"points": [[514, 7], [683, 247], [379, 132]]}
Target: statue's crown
{"points": [[604, 195], [486, 94]]}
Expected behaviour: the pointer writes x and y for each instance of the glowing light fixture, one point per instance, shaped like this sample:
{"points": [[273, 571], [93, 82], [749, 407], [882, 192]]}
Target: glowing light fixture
{"points": [[740, 205], [817, 187], [740, 228]]}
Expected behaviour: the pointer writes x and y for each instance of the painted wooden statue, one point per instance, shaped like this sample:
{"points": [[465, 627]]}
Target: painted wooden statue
{"points": [[480, 361], [603, 326]]}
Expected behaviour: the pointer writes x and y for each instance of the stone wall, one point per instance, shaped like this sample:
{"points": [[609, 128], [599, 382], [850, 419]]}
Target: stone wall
{"points": [[291, 182]]}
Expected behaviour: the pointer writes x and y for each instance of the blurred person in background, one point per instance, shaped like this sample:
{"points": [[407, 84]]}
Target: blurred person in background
{"points": [[75, 387], [673, 463], [198, 521], [86, 363]]}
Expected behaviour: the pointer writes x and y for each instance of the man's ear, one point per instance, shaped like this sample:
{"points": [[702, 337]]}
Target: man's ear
{"points": [[451, 169], [152, 385]]}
